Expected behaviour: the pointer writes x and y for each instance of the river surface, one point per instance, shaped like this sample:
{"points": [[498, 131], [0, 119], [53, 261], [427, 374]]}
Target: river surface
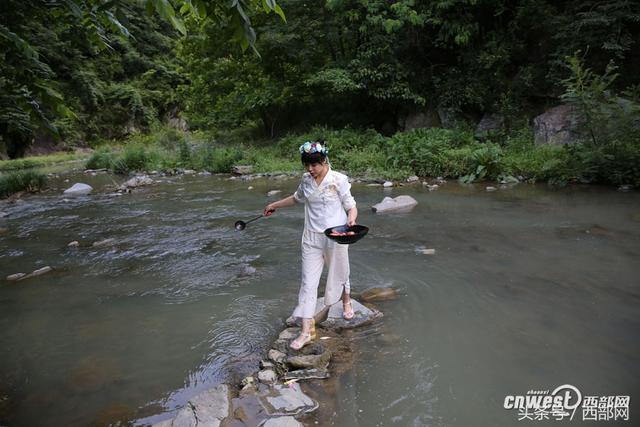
{"points": [[530, 288]]}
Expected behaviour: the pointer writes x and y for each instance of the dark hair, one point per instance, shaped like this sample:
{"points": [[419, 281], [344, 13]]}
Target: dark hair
{"points": [[310, 158]]}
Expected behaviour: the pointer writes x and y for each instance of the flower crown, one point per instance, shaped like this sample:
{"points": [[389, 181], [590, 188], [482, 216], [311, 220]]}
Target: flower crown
{"points": [[313, 147]]}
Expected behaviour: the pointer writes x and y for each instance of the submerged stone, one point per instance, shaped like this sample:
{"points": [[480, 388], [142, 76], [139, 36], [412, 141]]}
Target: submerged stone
{"points": [[378, 294], [105, 242]]}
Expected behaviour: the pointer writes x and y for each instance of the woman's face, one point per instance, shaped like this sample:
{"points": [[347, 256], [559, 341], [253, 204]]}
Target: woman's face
{"points": [[314, 169]]}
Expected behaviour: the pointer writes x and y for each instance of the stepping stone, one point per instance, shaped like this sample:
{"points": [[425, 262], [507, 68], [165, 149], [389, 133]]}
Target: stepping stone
{"points": [[362, 315]]}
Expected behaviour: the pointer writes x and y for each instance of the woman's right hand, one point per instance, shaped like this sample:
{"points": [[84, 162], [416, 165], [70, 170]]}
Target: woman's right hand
{"points": [[269, 209]]}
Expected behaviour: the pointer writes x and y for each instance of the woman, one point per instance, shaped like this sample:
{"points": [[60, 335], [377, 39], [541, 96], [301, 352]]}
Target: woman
{"points": [[326, 195]]}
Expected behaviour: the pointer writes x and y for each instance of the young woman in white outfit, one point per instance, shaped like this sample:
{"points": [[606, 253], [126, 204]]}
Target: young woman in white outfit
{"points": [[328, 202]]}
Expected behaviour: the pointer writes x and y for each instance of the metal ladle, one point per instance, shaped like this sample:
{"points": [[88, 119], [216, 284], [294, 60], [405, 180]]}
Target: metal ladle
{"points": [[241, 225]]}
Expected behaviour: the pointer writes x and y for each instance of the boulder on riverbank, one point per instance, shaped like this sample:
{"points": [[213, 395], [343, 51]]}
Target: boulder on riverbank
{"points": [[558, 125], [78, 189], [399, 204]]}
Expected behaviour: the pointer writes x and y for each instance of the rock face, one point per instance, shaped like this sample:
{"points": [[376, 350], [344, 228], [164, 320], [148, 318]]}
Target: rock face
{"points": [[399, 204], [422, 119], [559, 125], [490, 123], [78, 189], [206, 409]]}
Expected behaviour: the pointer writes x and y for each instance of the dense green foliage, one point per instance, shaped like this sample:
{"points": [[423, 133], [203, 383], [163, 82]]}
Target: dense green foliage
{"points": [[370, 62], [81, 70], [371, 155], [95, 70]]}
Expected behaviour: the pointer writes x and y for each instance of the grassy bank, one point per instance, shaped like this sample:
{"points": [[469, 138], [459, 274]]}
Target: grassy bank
{"points": [[41, 161], [368, 154], [28, 174], [361, 153], [17, 181]]}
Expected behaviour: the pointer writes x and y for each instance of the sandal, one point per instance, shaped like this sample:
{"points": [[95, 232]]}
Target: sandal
{"points": [[302, 340], [347, 314]]}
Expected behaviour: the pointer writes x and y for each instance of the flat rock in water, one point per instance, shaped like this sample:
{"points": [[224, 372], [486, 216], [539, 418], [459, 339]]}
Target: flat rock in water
{"points": [[307, 374], [206, 409], [287, 400], [78, 189], [242, 169], [267, 376], [282, 422], [362, 315], [399, 204], [137, 181], [40, 271]]}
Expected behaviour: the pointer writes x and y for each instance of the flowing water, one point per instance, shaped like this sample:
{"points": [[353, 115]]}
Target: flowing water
{"points": [[529, 288]]}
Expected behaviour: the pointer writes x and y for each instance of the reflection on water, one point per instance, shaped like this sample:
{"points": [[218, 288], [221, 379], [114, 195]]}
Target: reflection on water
{"points": [[529, 288]]}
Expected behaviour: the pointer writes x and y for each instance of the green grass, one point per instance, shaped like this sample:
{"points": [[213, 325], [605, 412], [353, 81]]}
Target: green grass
{"points": [[16, 181], [40, 161], [367, 154]]}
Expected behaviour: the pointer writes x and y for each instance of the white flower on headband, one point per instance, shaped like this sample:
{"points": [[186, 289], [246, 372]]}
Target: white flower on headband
{"points": [[313, 147]]}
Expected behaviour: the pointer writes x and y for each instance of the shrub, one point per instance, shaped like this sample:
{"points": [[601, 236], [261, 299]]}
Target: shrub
{"points": [[184, 154], [103, 158], [216, 159], [134, 158], [14, 182], [429, 152]]}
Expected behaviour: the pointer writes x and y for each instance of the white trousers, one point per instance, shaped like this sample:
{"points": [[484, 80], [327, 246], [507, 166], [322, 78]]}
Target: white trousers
{"points": [[316, 250]]}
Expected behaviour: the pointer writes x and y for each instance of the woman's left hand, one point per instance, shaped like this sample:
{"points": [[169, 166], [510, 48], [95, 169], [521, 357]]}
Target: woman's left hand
{"points": [[351, 216]]}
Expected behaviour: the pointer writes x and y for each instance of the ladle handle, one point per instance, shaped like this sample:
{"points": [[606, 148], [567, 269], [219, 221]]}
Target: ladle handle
{"points": [[253, 219]]}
